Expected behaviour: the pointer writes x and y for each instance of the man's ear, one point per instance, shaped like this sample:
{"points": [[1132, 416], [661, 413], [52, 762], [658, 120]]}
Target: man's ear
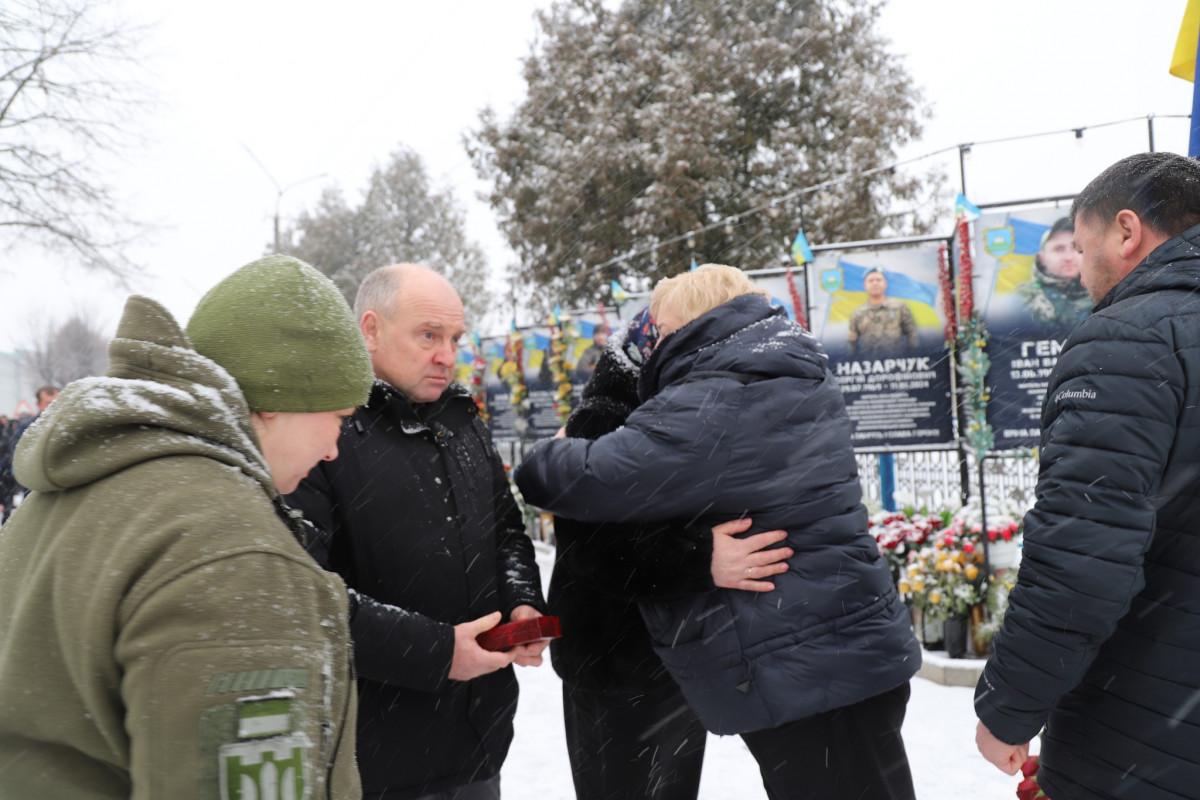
{"points": [[370, 330], [1132, 234]]}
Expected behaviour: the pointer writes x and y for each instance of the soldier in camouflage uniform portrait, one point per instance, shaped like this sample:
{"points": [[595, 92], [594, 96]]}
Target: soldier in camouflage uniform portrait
{"points": [[1054, 297], [882, 326]]}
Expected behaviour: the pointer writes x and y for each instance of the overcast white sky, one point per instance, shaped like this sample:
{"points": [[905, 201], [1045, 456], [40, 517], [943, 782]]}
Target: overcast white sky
{"points": [[318, 92]]}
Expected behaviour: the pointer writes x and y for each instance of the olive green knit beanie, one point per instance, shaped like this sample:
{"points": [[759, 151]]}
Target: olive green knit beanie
{"points": [[286, 334]]}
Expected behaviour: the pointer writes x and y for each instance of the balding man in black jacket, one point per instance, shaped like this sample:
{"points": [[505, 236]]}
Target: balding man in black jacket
{"points": [[420, 522], [1101, 642]]}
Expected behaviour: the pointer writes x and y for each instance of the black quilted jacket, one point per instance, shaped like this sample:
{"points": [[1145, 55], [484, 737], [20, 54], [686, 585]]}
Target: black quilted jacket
{"points": [[1101, 643]]}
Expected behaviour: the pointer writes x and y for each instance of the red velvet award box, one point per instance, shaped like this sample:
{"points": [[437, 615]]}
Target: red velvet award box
{"points": [[512, 634]]}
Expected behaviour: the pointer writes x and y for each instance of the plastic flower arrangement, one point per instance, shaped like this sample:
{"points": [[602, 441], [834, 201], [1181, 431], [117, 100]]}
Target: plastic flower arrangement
{"points": [[898, 533], [476, 380], [937, 559], [561, 338], [512, 373], [999, 585], [1004, 533], [1004, 519], [944, 577]]}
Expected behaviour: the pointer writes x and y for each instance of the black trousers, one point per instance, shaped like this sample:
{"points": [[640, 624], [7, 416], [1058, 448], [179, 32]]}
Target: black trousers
{"points": [[480, 790], [633, 745], [855, 752]]}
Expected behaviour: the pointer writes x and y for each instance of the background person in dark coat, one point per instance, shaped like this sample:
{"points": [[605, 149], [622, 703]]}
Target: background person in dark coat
{"points": [[630, 733], [7, 481], [740, 415], [1101, 641], [422, 525], [11, 492], [589, 357]]}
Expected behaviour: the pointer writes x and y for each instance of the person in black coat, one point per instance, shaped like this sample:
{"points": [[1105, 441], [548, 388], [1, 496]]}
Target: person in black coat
{"points": [[11, 492], [417, 516], [1100, 645], [630, 733], [8, 483], [740, 415]]}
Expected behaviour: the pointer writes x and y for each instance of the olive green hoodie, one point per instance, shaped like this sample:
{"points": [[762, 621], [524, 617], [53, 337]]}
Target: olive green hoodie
{"points": [[162, 634]]}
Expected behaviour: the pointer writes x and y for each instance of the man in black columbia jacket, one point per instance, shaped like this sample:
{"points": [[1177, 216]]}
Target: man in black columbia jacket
{"points": [[1101, 643], [421, 524]]}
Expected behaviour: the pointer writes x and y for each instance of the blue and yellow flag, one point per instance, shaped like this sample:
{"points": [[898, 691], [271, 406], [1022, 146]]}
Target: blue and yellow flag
{"points": [[800, 249], [965, 208], [1183, 65], [619, 295]]}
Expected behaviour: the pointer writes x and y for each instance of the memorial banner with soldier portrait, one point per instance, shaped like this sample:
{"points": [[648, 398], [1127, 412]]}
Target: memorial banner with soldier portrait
{"points": [[521, 365], [878, 314], [1028, 291], [887, 352]]}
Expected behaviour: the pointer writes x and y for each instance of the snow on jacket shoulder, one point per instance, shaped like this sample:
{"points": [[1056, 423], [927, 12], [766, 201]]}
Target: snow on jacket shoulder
{"points": [[152, 601], [742, 417], [1100, 641]]}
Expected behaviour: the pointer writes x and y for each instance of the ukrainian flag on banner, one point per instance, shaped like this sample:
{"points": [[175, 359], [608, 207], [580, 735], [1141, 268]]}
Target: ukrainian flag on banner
{"points": [[1027, 236], [1017, 267], [537, 347], [582, 341], [1183, 65], [494, 353], [464, 366], [921, 298]]}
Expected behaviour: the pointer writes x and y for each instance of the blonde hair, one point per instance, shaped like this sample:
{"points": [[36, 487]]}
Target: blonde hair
{"points": [[695, 293]]}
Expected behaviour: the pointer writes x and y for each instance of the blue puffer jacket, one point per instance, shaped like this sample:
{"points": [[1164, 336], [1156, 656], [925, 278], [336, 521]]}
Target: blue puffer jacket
{"points": [[741, 417]]}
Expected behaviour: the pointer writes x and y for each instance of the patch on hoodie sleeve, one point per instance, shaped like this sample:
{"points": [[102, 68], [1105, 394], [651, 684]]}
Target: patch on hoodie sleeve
{"points": [[270, 757]]}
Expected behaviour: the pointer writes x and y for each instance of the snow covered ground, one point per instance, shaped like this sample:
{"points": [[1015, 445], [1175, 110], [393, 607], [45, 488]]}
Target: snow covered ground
{"points": [[939, 733]]}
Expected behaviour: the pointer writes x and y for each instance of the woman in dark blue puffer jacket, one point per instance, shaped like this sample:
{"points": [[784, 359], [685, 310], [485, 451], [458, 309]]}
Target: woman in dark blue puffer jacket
{"points": [[740, 416]]}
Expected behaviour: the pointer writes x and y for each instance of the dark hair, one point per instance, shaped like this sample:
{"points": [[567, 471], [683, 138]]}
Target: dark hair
{"points": [[1060, 225], [43, 390], [1163, 189]]}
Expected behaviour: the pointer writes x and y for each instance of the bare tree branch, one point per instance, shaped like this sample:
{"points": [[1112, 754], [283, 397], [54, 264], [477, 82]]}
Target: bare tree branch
{"points": [[65, 106], [59, 353]]}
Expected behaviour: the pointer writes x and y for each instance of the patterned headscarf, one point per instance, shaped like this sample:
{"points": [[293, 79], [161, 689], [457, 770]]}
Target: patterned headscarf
{"points": [[640, 337]]}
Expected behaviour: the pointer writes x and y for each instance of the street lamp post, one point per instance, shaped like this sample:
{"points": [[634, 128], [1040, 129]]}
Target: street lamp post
{"points": [[279, 191]]}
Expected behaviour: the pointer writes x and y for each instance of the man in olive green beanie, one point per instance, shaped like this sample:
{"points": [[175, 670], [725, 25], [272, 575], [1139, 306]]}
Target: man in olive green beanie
{"points": [[162, 633], [285, 333]]}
